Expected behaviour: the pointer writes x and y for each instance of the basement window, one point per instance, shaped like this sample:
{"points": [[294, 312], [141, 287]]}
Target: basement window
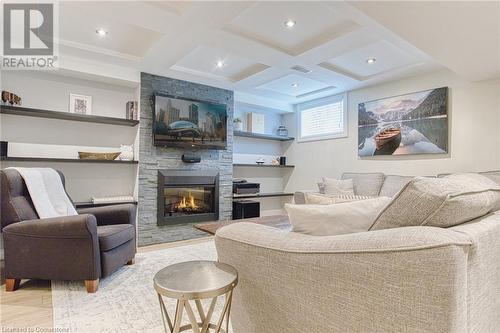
{"points": [[322, 119]]}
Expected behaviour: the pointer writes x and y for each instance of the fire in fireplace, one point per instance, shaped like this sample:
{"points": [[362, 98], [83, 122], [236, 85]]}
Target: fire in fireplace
{"points": [[182, 201], [187, 196], [188, 205]]}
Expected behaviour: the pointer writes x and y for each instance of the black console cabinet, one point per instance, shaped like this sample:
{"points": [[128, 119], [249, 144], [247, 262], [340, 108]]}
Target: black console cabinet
{"points": [[243, 209]]}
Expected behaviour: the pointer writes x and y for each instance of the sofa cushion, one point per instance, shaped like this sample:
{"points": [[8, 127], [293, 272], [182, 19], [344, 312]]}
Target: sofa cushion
{"points": [[312, 198], [337, 219], [338, 187], [366, 183], [440, 202], [493, 175], [393, 184], [111, 236]]}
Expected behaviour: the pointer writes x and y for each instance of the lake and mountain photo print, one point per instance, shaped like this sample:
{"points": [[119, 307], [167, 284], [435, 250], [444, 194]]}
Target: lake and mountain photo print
{"points": [[415, 123]]}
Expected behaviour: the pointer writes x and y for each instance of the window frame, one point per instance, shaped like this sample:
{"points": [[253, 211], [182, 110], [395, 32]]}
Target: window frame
{"points": [[299, 108]]}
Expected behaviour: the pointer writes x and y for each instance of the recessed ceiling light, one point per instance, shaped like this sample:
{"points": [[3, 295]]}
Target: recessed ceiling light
{"points": [[371, 60], [219, 64], [290, 23], [101, 32], [294, 85]]}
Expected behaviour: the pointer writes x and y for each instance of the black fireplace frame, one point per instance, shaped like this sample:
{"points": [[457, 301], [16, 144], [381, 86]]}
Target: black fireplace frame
{"points": [[172, 178]]}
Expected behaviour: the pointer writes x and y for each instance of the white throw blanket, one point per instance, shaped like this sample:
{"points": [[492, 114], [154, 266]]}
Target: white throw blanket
{"points": [[47, 192]]}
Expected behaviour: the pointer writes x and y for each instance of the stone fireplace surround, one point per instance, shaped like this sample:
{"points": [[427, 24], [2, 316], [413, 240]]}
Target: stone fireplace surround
{"points": [[152, 159]]}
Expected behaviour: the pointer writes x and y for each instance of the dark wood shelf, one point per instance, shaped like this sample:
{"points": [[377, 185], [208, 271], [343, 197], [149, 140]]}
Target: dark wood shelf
{"points": [[69, 160], [262, 195], [263, 136], [90, 204], [30, 112], [262, 165]]}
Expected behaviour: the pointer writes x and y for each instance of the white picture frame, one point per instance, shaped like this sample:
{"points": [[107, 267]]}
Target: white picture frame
{"points": [[80, 104], [256, 122]]}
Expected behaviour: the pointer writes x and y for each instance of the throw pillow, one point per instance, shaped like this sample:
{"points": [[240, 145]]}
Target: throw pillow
{"points": [[325, 199], [440, 202], [338, 187], [337, 219], [366, 183]]}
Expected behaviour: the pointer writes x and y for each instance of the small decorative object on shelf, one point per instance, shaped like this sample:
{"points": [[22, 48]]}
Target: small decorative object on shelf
{"points": [[260, 161], [282, 160], [3, 148], [126, 153], [255, 122], [5, 97], [98, 156], [9, 98], [81, 104], [238, 125], [132, 110], [275, 161], [282, 131]]}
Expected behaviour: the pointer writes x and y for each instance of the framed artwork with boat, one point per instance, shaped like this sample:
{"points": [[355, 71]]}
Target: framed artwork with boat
{"points": [[415, 123]]}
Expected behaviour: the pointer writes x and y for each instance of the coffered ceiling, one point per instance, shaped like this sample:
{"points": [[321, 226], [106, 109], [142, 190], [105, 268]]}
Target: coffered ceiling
{"points": [[249, 47]]}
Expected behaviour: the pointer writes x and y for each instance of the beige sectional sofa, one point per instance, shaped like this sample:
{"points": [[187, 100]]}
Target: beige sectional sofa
{"points": [[411, 279], [379, 184], [369, 184]]}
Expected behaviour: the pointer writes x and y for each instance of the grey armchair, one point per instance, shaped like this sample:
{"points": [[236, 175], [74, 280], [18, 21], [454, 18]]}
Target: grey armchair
{"points": [[88, 246]]}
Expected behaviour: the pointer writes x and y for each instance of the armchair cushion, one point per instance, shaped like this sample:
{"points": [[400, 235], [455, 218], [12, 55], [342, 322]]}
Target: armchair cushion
{"points": [[115, 214], [111, 236]]}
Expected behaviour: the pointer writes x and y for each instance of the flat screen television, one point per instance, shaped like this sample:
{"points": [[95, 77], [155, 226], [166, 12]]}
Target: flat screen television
{"points": [[187, 123]]}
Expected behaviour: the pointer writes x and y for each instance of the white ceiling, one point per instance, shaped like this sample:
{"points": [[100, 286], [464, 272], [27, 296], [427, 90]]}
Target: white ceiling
{"points": [[203, 61], [386, 55], [316, 24], [295, 85], [462, 35], [333, 40]]}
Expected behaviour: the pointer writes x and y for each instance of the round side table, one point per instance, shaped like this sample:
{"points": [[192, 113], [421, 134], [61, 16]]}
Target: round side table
{"points": [[196, 280]]}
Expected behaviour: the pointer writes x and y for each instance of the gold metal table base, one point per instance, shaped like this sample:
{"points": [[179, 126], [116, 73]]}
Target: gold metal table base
{"points": [[205, 324], [193, 281]]}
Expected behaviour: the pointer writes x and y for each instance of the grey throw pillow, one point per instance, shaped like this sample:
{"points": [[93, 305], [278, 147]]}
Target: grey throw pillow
{"points": [[440, 202], [338, 187]]}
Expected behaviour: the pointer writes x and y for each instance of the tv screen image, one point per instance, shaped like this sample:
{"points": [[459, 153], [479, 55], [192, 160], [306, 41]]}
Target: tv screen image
{"points": [[186, 123]]}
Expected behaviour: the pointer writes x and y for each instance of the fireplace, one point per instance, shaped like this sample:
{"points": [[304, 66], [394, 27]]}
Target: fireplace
{"points": [[187, 196]]}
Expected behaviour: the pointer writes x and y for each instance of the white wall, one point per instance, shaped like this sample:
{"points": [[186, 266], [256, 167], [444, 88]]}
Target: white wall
{"points": [[474, 110], [248, 150], [44, 90], [50, 91]]}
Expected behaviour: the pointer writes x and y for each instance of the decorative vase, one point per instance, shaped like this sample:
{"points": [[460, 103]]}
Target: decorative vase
{"points": [[238, 126], [126, 153], [282, 131]]}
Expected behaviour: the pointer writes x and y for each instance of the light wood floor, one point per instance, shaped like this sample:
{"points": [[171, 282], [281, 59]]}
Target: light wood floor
{"points": [[29, 309]]}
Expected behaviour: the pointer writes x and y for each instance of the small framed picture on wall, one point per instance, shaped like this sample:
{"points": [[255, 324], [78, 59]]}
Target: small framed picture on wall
{"points": [[81, 104]]}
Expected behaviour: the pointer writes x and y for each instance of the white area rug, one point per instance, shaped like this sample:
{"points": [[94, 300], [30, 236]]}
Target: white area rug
{"points": [[126, 301]]}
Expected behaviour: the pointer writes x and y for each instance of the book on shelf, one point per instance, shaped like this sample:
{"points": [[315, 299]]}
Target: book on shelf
{"points": [[112, 199]]}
